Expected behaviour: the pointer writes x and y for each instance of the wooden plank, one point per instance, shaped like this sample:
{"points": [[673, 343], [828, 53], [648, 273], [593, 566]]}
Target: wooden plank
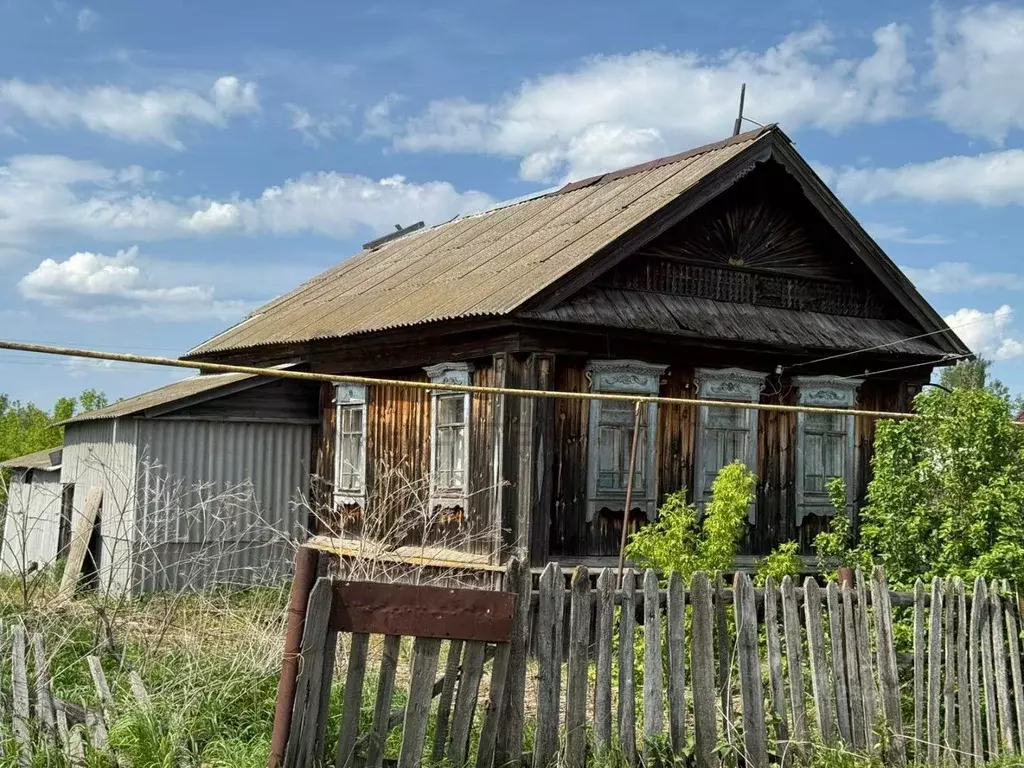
{"points": [[139, 692], [776, 681], [1006, 715], [417, 610], [860, 729], [627, 687], [301, 746], [517, 581], [79, 546], [382, 704], [966, 737], [896, 750], [98, 735], [61, 718], [545, 747], [974, 639], [352, 702], [988, 672], [20, 697], [676, 663], [794, 666], [819, 665], [949, 677], [749, 661], [509, 746], [447, 698], [835, 628], [724, 658], [325, 682], [576, 686], [45, 709], [1013, 649], [702, 674], [417, 708], [867, 673], [603, 649], [654, 721], [465, 701], [919, 671], [934, 671], [99, 680], [76, 746]]}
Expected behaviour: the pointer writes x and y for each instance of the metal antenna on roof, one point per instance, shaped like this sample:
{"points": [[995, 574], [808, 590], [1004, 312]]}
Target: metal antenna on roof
{"points": [[738, 125]]}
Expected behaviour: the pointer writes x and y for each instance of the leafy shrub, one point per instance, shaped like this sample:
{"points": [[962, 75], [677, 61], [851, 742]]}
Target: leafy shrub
{"points": [[783, 561], [679, 541]]}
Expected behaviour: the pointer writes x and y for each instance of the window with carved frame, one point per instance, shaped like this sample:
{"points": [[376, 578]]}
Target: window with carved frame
{"points": [[610, 437], [449, 436], [350, 445], [725, 434], [824, 444]]}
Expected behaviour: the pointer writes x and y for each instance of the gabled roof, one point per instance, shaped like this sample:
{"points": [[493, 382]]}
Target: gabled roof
{"points": [[530, 256], [171, 394], [46, 460]]}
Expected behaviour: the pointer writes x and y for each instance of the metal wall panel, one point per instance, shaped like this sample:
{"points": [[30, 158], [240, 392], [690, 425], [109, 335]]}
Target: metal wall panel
{"points": [[32, 520], [219, 502], [102, 454]]}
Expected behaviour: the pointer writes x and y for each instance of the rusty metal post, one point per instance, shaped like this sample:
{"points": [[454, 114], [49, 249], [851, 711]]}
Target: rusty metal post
{"points": [[303, 576], [629, 489]]}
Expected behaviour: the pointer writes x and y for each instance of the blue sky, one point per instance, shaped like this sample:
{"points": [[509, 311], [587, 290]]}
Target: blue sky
{"points": [[165, 168]]}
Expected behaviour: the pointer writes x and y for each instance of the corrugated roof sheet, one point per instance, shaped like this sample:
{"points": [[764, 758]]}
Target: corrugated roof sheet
{"points": [[48, 459], [480, 265], [706, 318], [180, 390]]}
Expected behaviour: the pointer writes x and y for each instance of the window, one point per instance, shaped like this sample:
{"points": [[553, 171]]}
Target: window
{"points": [[610, 437], [825, 443], [449, 457], [725, 434], [350, 453]]}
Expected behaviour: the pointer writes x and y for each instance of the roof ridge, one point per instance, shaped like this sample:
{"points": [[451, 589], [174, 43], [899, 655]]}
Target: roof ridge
{"points": [[753, 135]]}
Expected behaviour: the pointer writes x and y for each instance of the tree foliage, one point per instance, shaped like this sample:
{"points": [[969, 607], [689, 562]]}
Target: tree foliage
{"points": [[25, 428], [679, 541], [947, 496], [973, 374]]}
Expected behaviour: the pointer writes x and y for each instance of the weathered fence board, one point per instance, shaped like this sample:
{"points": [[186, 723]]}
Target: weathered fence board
{"points": [[999, 668], [819, 667], [867, 674], [1013, 647], [966, 736], [447, 698], [835, 624], [794, 665], [919, 668], [676, 611], [949, 676], [579, 657], [603, 683], [977, 613], [934, 671], [702, 674], [653, 683], [417, 708], [382, 704], [987, 669], [749, 661], [627, 688], [776, 682], [889, 683], [860, 731]]}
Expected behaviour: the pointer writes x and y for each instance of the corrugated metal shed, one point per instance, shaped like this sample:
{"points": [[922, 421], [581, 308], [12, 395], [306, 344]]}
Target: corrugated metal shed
{"points": [[32, 520], [691, 316], [482, 265], [47, 459]]}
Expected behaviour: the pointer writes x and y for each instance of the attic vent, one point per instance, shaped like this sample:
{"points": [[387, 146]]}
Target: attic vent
{"points": [[400, 231]]}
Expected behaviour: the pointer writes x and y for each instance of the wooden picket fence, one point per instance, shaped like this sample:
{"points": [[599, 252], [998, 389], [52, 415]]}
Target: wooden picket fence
{"points": [[731, 674], [40, 719]]}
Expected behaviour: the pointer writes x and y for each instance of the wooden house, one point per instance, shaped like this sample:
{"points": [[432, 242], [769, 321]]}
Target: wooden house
{"points": [[728, 272]]}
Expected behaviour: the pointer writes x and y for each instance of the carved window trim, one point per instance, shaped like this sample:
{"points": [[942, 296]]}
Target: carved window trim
{"points": [[350, 397], [733, 384], [824, 392], [628, 377], [449, 373]]}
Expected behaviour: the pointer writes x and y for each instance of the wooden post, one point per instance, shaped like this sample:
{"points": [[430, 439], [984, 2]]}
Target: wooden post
{"points": [[977, 732], [653, 684], [509, 747], [949, 681], [702, 673], [627, 685], [1013, 643], [677, 663], [919, 671], [755, 737], [576, 690], [835, 626], [867, 673], [603, 684], [545, 748], [887, 671], [453, 665], [819, 667], [19, 679], [417, 708], [934, 671], [794, 664], [382, 705], [348, 731], [987, 671], [305, 712], [860, 731], [777, 684], [465, 701], [964, 703], [517, 580], [629, 488], [1006, 715]]}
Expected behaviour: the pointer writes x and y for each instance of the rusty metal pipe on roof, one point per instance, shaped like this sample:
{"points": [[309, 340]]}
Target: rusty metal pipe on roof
{"points": [[306, 561]]}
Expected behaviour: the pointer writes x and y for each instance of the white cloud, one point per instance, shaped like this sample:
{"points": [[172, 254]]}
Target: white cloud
{"points": [[991, 179], [45, 194], [315, 129], [899, 234], [958, 276], [154, 116], [987, 333], [979, 55], [93, 286], [615, 109], [86, 19]]}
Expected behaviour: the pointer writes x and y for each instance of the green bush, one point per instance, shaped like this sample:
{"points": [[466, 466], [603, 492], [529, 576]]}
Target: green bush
{"points": [[783, 561]]}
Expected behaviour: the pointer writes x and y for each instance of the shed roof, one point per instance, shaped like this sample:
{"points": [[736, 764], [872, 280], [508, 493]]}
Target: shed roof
{"points": [[529, 255], [172, 393], [48, 459]]}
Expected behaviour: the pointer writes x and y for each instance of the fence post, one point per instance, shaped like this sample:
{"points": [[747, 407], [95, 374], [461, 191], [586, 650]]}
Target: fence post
{"points": [[677, 663], [934, 670], [794, 664], [859, 731], [576, 690], [382, 705], [305, 712], [1013, 641], [653, 684], [949, 684], [417, 708], [977, 602], [603, 684], [985, 638], [999, 663], [517, 580], [775, 678], [702, 673], [887, 672], [867, 672], [509, 746], [751, 691], [545, 746], [835, 624], [816, 651], [963, 673], [627, 685]]}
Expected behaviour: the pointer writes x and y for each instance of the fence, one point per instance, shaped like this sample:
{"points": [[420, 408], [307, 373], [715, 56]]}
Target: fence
{"points": [[763, 676]]}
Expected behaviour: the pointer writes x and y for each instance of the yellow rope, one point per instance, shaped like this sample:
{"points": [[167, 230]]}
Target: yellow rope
{"points": [[424, 385]]}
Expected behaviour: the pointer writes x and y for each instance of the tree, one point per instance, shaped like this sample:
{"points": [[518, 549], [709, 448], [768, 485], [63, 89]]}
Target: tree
{"points": [[973, 374], [947, 496]]}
